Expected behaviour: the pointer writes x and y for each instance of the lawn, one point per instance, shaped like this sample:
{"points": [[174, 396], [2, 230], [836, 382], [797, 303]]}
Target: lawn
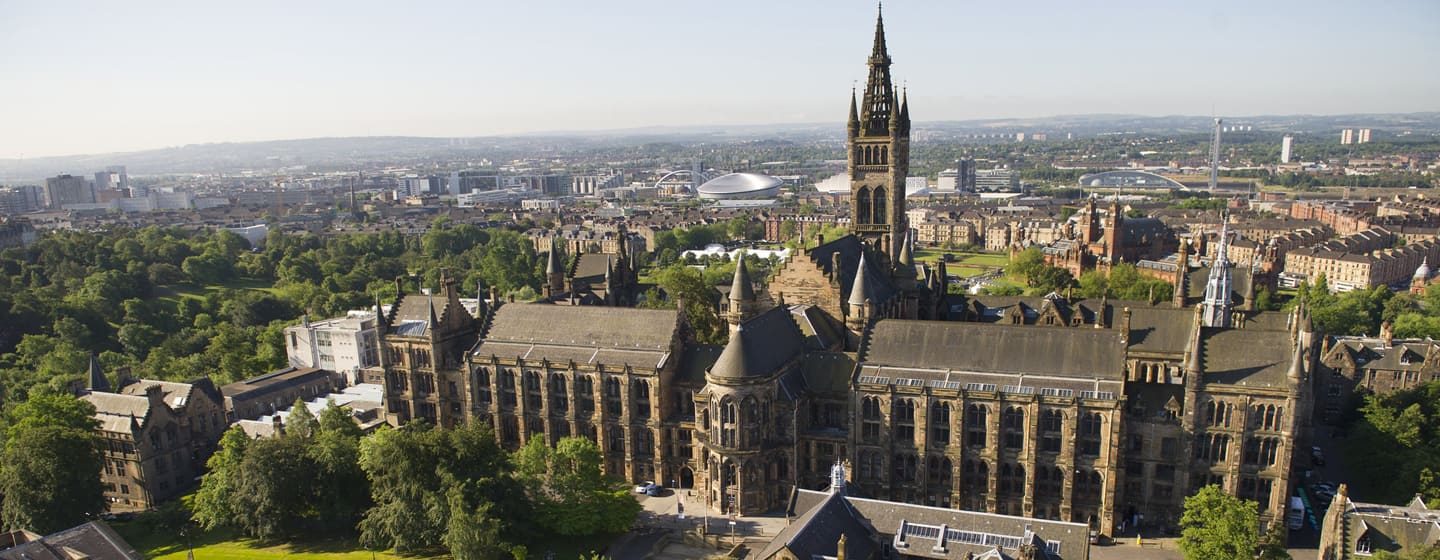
{"points": [[961, 257], [157, 542], [192, 291]]}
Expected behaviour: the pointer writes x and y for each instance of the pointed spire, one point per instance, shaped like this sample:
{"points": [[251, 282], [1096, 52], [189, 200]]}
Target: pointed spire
{"points": [[741, 288], [854, 113], [430, 302], [905, 106], [1297, 362], [858, 292], [97, 382], [879, 48], [552, 265], [907, 257], [380, 317]]}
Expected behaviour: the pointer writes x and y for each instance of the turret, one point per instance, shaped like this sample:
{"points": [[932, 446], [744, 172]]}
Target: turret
{"points": [[554, 274], [742, 295], [97, 383], [859, 296]]}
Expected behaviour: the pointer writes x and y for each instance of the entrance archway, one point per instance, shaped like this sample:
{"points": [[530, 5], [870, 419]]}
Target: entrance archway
{"points": [[687, 477]]}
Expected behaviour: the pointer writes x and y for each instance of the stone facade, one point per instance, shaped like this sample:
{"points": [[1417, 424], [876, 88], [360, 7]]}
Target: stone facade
{"points": [[155, 437]]}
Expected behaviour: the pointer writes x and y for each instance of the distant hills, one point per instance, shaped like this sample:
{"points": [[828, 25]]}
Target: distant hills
{"points": [[321, 154]]}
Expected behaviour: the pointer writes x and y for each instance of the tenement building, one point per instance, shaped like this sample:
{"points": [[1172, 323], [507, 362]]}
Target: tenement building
{"points": [[1098, 412]]}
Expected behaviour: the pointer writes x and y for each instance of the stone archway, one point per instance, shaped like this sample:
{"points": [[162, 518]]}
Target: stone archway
{"points": [[687, 477]]}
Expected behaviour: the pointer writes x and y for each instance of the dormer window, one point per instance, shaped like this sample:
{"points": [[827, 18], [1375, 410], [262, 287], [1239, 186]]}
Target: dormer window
{"points": [[1362, 545]]}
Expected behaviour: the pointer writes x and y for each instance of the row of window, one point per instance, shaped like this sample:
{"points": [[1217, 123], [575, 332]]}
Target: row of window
{"points": [[1012, 425]]}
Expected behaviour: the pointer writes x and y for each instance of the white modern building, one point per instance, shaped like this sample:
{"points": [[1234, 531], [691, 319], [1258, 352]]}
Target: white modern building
{"points": [[342, 345], [1285, 144]]}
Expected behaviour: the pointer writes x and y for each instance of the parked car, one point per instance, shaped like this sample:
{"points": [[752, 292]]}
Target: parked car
{"points": [[1322, 492], [1317, 457], [644, 487], [654, 490]]}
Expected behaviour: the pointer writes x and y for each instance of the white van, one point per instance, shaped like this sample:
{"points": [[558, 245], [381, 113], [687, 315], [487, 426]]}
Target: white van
{"points": [[1295, 518]]}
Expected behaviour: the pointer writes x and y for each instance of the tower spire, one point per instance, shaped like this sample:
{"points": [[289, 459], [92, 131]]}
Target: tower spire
{"points": [[879, 50], [879, 99]]}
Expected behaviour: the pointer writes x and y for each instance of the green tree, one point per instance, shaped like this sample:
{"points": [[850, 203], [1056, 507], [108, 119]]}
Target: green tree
{"points": [[300, 422], [1218, 526], [275, 488], [50, 476], [687, 285], [215, 504], [1025, 263], [570, 494]]}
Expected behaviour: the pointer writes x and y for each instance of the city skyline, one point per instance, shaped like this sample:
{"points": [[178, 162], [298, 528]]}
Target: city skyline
{"points": [[150, 76]]}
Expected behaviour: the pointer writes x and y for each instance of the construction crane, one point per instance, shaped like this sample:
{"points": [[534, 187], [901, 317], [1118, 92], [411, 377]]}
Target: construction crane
{"points": [[1215, 156]]}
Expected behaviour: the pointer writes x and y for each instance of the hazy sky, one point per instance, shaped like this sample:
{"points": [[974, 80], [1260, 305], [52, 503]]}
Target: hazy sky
{"points": [[86, 77]]}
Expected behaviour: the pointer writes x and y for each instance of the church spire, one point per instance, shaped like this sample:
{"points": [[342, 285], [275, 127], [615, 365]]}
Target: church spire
{"points": [[879, 50], [854, 124], [879, 99], [1217, 289]]}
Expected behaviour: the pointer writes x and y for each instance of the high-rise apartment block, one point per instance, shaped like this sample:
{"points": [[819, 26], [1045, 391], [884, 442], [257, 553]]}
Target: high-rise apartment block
{"points": [[1347, 136], [68, 189], [1285, 146], [1363, 136]]}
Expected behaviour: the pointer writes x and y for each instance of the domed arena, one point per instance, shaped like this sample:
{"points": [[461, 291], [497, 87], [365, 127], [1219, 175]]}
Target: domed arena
{"points": [[740, 185]]}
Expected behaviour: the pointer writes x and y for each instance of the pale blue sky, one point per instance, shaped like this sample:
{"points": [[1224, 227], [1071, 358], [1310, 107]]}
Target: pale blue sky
{"points": [[85, 77]]}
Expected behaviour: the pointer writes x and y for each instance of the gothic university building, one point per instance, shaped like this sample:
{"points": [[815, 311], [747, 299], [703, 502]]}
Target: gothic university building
{"points": [[1091, 411]]}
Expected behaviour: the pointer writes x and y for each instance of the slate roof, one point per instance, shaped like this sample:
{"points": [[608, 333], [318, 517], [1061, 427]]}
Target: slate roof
{"points": [[1252, 358], [696, 361], [1410, 527], [177, 395], [272, 382], [822, 520], [828, 372], [114, 411], [1162, 330], [1399, 355], [585, 334], [1198, 277], [592, 266], [850, 248], [94, 540], [976, 347], [816, 533], [761, 347]]}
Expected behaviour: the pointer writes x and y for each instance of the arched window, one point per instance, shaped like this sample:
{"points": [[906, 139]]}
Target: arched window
{"points": [[1052, 425], [729, 422], [904, 422], [1012, 422], [752, 422], [862, 205], [1091, 433], [870, 414], [940, 424], [975, 425], [879, 215]]}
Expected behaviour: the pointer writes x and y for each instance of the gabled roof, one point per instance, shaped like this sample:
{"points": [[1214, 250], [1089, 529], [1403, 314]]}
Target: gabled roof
{"points": [[116, 411], [816, 533], [583, 334], [977, 347], [850, 248], [92, 541]]}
